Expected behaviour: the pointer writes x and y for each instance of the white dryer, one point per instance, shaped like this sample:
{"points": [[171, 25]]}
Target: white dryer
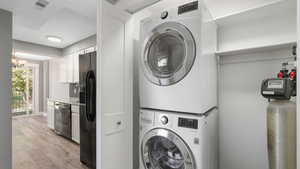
{"points": [[178, 70], [178, 141]]}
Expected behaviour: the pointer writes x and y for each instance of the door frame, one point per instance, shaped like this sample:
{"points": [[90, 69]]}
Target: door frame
{"points": [[105, 9], [35, 86]]}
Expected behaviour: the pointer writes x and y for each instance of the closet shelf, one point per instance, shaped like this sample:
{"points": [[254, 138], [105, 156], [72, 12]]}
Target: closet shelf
{"points": [[256, 49], [273, 9]]}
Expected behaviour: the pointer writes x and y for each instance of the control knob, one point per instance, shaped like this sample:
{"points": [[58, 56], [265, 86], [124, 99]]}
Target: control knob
{"points": [[164, 120]]}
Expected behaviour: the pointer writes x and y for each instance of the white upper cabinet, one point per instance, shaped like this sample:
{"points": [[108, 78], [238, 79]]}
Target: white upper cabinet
{"points": [[65, 69], [76, 67], [62, 69], [69, 68]]}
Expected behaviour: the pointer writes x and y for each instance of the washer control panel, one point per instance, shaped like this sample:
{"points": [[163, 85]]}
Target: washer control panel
{"points": [[188, 7], [188, 123], [164, 120]]}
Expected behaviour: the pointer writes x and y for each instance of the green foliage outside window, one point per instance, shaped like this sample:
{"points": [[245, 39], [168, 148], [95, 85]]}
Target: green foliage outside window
{"points": [[19, 77]]}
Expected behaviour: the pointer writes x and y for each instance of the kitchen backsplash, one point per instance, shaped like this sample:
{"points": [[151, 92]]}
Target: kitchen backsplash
{"points": [[74, 90]]}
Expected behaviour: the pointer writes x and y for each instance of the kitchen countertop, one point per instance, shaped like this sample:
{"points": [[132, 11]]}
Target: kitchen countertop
{"points": [[72, 101]]}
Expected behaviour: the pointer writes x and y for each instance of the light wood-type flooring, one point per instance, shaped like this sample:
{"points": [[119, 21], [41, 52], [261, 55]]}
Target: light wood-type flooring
{"points": [[35, 146]]}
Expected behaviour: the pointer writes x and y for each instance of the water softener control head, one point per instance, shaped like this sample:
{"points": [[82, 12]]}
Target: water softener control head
{"points": [[278, 88]]}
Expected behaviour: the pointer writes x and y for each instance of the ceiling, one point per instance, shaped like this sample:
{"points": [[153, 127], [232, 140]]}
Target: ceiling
{"points": [[218, 8], [73, 20]]}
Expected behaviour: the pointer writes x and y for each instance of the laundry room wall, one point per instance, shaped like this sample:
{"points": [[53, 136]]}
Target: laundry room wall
{"points": [[5, 90], [36, 49], [242, 121], [252, 44]]}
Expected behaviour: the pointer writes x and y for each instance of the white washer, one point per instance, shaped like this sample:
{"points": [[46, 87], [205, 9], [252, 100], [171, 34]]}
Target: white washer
{"points": [[178, 141], [178, 69]]}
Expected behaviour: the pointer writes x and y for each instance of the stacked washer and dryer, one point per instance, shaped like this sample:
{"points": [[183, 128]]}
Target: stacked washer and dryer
{"points": [[178, 89]]}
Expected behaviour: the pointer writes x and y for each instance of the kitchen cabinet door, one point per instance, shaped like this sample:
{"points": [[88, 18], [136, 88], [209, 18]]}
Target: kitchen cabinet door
{"points": [[75, 127], [50, 116], [62, 69], [76, 67], [69, 68], [65, 69]]}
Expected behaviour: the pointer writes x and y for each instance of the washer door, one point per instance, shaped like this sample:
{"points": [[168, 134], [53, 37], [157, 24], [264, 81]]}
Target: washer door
{"points": [[169, 54], [163, 149]]}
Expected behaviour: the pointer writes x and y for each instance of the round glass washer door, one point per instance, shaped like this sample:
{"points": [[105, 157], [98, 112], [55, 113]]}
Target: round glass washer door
{"points": [[169, 54], [163, 149]]}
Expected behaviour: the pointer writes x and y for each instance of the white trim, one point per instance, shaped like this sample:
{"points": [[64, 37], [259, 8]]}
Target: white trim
{"points": [[98, 108], [27, 115], [35, 86], [107, 10], [129, 60], [267, 47]]}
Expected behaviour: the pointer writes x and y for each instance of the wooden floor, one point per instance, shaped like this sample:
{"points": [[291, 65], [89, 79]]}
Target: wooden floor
{"points": [[35, 146]]}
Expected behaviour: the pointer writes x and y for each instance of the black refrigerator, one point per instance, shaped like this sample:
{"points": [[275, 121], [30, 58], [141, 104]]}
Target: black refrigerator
{"points": [[87, 97]]}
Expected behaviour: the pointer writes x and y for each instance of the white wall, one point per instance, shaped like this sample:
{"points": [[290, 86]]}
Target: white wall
{"points": [[223, 8], [46, 84], [252, 31], [5, 89], [81, 45], [243, 133], [36, 49]]}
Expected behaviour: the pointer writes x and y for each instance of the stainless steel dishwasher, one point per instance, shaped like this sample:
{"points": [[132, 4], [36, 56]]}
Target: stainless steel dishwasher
{"points": [[63, 119]]}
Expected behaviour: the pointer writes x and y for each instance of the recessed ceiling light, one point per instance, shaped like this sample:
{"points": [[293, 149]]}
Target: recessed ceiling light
{"points": [[54, 39]]}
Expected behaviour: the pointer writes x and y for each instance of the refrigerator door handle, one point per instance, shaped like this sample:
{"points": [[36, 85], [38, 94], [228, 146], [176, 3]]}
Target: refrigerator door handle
{"points": [[90, 95]]}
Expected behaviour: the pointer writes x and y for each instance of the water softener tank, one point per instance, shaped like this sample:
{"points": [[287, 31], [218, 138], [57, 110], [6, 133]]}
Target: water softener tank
{"points": [[281, 123]]}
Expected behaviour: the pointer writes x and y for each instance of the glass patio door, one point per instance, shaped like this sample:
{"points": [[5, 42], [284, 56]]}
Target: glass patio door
{"points": [[22, 90]]}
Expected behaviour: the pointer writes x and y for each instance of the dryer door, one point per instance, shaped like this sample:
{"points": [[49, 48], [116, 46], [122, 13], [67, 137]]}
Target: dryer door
{"points": [[163, 149], [169, 54]]}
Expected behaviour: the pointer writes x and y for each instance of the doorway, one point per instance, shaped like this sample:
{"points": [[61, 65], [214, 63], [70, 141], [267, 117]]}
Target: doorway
{"points": [[25, 78]]}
